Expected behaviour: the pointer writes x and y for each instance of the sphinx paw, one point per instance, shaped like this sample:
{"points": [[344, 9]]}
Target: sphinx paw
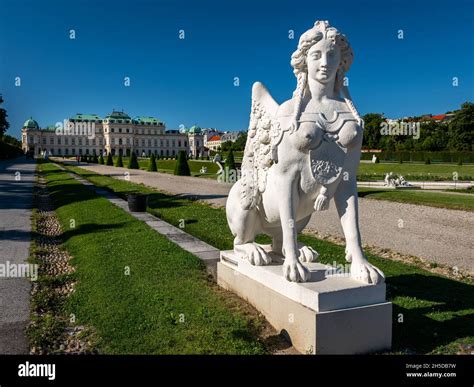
{"points": [[321, 203], [294, 271], [308, 254], [365, 272]]}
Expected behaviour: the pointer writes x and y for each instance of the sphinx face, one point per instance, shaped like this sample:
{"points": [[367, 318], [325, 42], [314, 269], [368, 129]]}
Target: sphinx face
{"points": [[323, 60]]}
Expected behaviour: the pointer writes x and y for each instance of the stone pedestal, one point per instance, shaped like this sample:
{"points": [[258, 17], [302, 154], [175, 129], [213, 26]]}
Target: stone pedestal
{"points": [[330, 314]]}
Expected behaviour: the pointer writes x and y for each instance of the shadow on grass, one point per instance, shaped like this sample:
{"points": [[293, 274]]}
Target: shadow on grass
{"points": [[371, 192], [89, 228], [413, 328]]}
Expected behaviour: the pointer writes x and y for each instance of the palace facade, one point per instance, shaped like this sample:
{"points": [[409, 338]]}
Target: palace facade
{"points": [[116, 133]]}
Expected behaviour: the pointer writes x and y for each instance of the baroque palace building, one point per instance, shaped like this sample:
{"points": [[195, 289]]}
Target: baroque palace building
{"points": [[117, 133]]}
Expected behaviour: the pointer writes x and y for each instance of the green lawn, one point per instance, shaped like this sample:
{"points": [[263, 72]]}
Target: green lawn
{"points": [[413, 171], [432, 314], [165, 306], [423, 197]]}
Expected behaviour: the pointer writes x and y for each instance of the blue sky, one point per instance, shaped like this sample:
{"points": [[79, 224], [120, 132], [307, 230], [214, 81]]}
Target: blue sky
{"points": [[191, 81]]}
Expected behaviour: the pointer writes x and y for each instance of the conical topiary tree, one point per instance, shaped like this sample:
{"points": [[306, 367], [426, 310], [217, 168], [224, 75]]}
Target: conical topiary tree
{"points": [[152, 166], [95, 160], [133, 162], [229, 161], [101, 159], [119, 162], [110, 160], [182, 168]]}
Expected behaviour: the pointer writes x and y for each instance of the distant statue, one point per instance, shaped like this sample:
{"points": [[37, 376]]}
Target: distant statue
{"points": [[299, 155], [374, 159], [393, 181]]}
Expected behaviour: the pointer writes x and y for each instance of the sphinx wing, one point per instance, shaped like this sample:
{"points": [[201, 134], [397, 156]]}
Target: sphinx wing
{"points": [[263, 137]]}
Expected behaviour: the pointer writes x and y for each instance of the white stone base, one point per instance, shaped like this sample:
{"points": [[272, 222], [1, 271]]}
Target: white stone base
{"points": [[328, 315]]}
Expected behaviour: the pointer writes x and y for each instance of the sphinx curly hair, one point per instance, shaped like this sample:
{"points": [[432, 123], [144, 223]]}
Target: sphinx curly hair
{"points": [[321, 30]]}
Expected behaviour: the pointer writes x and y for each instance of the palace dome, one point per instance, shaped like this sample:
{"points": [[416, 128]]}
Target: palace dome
{"points": [[194, 130], [30, 124]]}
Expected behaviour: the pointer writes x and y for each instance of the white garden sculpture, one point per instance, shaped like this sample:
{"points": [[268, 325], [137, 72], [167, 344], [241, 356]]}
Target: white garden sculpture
{"points": [[299, 155]]}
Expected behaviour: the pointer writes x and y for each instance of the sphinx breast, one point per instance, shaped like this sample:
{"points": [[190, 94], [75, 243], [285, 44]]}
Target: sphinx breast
{"points": [[308, 136], [349, 133]]}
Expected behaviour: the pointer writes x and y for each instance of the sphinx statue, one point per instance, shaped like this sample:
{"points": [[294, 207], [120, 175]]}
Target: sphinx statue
{"points": [[299, 156]]}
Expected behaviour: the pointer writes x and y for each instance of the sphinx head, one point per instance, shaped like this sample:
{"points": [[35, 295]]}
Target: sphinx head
{"points": [[323, 54]]}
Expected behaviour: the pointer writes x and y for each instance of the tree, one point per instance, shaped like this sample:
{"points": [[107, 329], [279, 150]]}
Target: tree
{"points": [[11, 140], [152, 166], [226, 146], [101, 159], [119, 162], [461, 129], [4, 125], [182, 168], [133, 162], [229, 161], [372, 135], [110, 160], [239, 144], [95, 160]]}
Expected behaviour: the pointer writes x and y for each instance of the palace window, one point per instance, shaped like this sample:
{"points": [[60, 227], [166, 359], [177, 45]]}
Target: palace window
{"points": [[156, 142], [51, 140], [173, 142], [44, 140], [149, 142], [112, 130], [185, 143], [59, 140], [179, 143], [161, 143]]}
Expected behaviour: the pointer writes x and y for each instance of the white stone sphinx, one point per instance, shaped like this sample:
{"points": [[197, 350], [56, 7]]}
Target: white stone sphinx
{"points": [[299, 155]]}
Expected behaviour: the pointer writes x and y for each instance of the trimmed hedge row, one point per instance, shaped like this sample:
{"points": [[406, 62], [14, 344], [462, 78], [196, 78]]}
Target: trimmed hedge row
{"points": [[422, 156], [8, 151]]}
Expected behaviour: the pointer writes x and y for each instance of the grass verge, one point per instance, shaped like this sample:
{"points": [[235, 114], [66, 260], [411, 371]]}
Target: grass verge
{"points": [[421, 197], [140, 292]]}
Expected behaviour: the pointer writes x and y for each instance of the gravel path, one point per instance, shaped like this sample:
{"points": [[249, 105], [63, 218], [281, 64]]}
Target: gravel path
{"points": [[440, 235], [15, 235]]}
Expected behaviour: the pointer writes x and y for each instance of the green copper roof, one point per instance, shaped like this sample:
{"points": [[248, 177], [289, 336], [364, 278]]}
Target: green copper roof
{"points": [[115, 115], [194, 130], [49, 128], [31, 124], [146, 120], [88, 117]]}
